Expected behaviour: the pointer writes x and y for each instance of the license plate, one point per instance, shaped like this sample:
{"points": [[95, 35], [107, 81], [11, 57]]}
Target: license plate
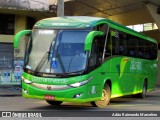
{"points": [[49, 97]]}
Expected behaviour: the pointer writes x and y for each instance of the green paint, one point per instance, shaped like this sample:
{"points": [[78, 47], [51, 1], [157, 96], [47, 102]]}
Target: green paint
{"points": [[67, 22], [113, 33], [122, 66]]}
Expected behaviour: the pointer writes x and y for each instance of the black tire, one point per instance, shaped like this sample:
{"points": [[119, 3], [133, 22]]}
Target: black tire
{"points": [[144, 91], [105, 100], [54, 103]]}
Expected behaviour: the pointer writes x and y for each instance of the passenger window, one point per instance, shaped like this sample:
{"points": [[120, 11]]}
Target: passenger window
{"points": [[101, 43], [108, 47], [120, 43], [141, 51], [96, 52], [132, 46], [93, 55], [147, 50], [102, 27], [123, 44], [154, 53], [115, 42]]}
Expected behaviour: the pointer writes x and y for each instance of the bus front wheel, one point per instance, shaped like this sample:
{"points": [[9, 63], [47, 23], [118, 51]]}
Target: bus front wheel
{"points": [[54, 103], [105, 98]]}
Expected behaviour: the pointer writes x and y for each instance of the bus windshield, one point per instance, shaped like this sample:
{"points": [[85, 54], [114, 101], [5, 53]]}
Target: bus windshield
{"points": [[56, 51]]}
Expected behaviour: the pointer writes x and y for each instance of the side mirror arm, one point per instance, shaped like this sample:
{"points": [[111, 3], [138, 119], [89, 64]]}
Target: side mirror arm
{"points": [[19, 35], [89, 39]]}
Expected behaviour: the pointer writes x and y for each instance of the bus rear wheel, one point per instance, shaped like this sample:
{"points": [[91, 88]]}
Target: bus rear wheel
{"points": [[144, 91], [105, 98], [54, 103]]}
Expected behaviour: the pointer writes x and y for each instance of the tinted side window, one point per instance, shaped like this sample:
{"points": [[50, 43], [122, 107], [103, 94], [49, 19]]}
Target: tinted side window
{"points": [[123, 44], [96, 52], [115, 42], [132, 46], [120, 43], [108, 46], [154, 51], [147, 50], [141, 51], [93, 54]]}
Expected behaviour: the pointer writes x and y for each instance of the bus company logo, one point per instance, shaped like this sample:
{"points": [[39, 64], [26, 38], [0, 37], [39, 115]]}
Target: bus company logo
{"points": [[49, 87], [54, 81], [122, 66], [135, 65], [60, 24]]}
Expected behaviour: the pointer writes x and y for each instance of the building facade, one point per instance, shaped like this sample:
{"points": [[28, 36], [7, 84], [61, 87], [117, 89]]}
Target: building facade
{"points": [[16, 15]]}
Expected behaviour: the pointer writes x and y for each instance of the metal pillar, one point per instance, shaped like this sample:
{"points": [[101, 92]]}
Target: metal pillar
{"points": [[60, 9], [153, 9]]}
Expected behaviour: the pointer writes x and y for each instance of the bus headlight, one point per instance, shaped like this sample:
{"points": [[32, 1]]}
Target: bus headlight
{"points": [[26, 81], [77, 84]]}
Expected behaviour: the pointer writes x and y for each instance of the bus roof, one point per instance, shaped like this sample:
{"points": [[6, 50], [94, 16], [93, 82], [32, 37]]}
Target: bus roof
{"points": [[75, 22], [69, 22]]}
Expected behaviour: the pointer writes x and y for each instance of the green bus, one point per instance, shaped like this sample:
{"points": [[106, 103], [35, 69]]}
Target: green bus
{"points": [[86, 59]]}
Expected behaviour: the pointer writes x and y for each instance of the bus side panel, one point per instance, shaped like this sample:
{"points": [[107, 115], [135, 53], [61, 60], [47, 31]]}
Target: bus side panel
{"points": [[127, 75], [117, 76], [150, 70]]}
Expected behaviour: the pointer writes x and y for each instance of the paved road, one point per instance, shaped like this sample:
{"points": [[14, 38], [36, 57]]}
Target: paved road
{"points": [[128, 103]]}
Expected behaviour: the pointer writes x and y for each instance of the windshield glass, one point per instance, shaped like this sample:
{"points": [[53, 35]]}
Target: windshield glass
{"points": [[56, 51]]}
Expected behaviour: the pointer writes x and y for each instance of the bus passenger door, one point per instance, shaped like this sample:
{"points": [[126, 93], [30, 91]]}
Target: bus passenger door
{"points": [[95, 66]]}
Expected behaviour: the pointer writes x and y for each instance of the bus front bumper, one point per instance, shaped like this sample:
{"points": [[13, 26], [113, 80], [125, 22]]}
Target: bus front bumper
{"points": [[79, 94]]}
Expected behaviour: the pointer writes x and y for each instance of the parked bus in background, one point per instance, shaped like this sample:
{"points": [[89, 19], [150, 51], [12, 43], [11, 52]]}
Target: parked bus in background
{"points": [[86, 59]]}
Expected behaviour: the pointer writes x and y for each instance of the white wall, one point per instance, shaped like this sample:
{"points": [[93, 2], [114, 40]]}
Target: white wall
{"points": [[26, 4], [39, 4]]}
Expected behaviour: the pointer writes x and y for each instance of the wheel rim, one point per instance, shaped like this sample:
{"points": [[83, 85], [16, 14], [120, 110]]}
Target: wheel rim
{"points": [[104, 100]]}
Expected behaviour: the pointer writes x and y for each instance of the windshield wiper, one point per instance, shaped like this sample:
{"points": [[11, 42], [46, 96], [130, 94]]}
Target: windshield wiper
{"points": [[42, 61], [61, 63]]}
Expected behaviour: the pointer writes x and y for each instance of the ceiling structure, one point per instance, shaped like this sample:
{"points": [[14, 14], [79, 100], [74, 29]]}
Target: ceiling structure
{"points": [[104, 8], [101, 8], [126, 12], [109, 8]]}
